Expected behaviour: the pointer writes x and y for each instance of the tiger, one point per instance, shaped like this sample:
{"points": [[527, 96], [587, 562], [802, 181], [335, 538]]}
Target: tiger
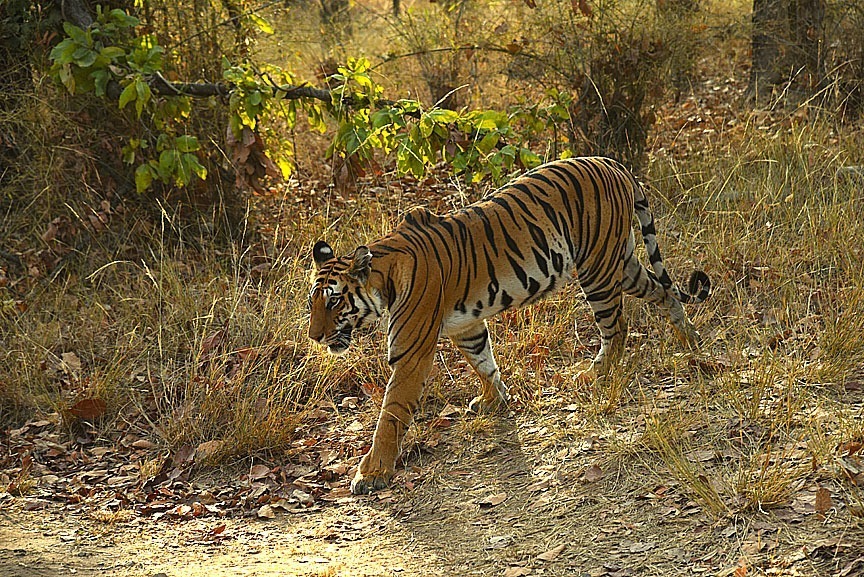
{"points": [[446, 275]]}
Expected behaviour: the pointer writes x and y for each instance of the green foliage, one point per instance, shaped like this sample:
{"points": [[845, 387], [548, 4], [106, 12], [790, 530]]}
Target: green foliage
{"points": [[477, 143], [22, 22], [88, 61]]}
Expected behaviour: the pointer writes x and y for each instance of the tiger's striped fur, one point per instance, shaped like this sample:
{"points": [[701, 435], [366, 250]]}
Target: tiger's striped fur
{"points": [[445, 275]]}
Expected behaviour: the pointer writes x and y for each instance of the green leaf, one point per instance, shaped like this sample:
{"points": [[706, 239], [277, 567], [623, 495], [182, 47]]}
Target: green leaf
{"points": [[122, 19], [112, 52], [364, 81], [490, 120], [316, 118], [183, 169], [167, 163], [128, 151], [192, 161], [143, 91], [62, 53], [143, 178], [100, 81], [528, 158], [76, 34], [261, 23], [442, 131], [488, 142], [66, 77], [84, 57], [426, 127], [408, 161], [128, 95], [442, 116], [381, 118], [187, 143], [509, 152]]}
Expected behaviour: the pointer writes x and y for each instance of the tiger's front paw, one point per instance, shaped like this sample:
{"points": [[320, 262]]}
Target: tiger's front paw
{"points": [[364, 484], [372, 475]]}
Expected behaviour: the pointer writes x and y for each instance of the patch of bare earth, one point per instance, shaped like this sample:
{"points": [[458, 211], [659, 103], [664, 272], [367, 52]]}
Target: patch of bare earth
{"points": [[524, 494]]}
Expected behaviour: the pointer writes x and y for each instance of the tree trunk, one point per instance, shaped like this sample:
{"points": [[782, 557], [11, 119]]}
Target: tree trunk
{"points": [[766, 66], [806, 21], [787, 46]]}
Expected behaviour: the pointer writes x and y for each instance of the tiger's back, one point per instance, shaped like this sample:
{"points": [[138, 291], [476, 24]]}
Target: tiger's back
{"points": [[521, 242]]}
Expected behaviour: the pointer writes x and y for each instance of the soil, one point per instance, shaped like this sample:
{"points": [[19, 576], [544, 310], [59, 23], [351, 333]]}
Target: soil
{"points": [[504, 500]]}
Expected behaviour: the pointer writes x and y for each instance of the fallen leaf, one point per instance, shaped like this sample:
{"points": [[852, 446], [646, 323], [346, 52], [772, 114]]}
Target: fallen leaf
{"points": [[214, 341], [551, 554], [700, 456], [823, 502], [184, 454], [88, 409], [349, 402], [641, 547], [593, 473], [499, 541], [218, 529], [259, 471], [143, 444], [583, 7], [266, 512], [517, 571], [539, 486], [441, 423], [848, 568], [71, 362], [209, 449], [303, 498], [850, 448], [247, 353], [450, 411], [492, 500]]}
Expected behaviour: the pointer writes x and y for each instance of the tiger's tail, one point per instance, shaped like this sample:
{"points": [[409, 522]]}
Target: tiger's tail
{"points": [[698, 286]]}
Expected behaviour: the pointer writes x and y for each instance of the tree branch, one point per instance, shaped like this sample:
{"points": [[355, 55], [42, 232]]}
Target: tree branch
{"points": [[163, 87]]}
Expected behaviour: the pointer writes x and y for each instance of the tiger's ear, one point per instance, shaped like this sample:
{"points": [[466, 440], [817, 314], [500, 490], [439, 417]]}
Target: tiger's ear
{"points": [[361, 266], [321, 252]]}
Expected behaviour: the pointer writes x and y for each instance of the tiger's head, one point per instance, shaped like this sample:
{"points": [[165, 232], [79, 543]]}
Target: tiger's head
{"points": [[341, 299]]}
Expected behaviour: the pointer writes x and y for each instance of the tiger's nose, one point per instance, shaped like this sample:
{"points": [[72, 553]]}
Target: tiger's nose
{"points": [[316, 336]]}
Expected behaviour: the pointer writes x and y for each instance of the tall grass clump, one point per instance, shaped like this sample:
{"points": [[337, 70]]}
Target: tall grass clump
{"points": [[614, 60]]}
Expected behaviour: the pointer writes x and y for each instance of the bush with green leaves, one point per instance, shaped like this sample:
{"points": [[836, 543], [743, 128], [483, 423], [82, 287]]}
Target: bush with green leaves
{"points": [[112, 60], [612, 59], [107, 57]]}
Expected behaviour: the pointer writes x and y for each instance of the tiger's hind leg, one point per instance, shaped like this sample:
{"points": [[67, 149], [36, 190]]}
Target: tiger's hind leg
{"points": [[475, 345], [641, 283], [607, 304]]}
